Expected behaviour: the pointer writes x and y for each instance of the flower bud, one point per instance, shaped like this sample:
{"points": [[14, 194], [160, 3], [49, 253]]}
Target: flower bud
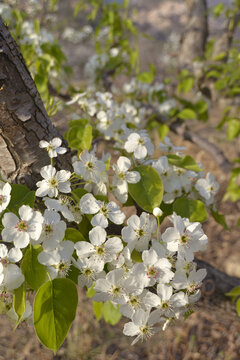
{"points": [[157, 212]]}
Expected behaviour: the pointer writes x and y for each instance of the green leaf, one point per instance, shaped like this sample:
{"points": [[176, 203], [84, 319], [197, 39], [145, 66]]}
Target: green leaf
{"points": [[34, 272], [194, 210], [148, 192], [186, 114], [163, 130], [238, 307], [136, 256], [187, 162], [91, 291], [19, 302], [218, 9], [86, 141], [74, 235], [220, 219], [233, 129], [98, 309], [78, 193], [234, 292], [54, 310], [111, 314], [20, 195]]}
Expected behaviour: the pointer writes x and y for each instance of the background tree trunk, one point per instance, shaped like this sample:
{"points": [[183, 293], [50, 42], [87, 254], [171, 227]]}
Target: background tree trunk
{"points": [[195, 36], [23, 118]]}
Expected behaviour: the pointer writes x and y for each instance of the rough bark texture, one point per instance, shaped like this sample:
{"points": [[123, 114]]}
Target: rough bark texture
{"points": [[23, 119], [195, 36]]}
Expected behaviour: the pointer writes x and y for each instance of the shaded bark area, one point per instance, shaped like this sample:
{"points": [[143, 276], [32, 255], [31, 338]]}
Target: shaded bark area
{"points": [[195, 36], [23, 118]]}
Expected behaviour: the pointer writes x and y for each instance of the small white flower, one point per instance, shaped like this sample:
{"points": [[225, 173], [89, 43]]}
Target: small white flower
{"points": [[53, 230], [53, 147], [111, 211], [141, 325], [53, 182], [101, 250], [111, 288], [122, 177], [207, 187], [89, 167], [5, 190], [21, 231], [139, 144]]}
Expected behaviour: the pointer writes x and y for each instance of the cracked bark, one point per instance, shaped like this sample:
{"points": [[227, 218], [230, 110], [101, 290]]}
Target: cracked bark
{"points": [[23, 118]]}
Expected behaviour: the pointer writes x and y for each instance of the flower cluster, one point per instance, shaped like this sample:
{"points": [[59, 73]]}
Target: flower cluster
{"points": [[151, 278]]}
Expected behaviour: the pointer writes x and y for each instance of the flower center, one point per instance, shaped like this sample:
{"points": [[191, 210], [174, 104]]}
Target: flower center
{"points": [[2, 198], [22, 225], [100, 250], [53, 182], [140, 141], [104, 210], [87, 272], [89, 165], [140, 232], [116, 290], [48, 229], [184, 239], [152, 272]]}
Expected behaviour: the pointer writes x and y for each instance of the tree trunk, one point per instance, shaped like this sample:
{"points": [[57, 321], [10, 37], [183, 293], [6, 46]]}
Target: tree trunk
{"points": [[23, 119], [195, 36]]}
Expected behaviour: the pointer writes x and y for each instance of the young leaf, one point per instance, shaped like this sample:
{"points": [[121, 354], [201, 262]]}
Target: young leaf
{"points": [[34, 272], [54, 310], [98, 309], [186, 114], [19, 302], [187, 162], [194, 210], [148, 192], [111, 314]]}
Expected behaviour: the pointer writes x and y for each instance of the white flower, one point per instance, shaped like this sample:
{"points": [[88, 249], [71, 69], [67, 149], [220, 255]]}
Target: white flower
{"points": [[61, 204], [122, 177], [89, 167], [53, 182], [157, 212], [58, 260], [191, 282], [141, 325], [101, 250], [11, 276], [165, 300], [5, 190], [53, 147], [111, 288], [111, 211], [21, 231], [153, 269], [53, 230], [91, 270], [139, 144], [184, 237], [139, 231], [207, 187]]}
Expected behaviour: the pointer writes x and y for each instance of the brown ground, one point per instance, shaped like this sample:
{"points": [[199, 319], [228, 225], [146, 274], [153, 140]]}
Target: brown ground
{"points": [[205, 335]]}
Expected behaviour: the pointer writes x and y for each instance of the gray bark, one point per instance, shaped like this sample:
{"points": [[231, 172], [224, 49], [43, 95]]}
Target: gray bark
{"points": [[23, 118], [195, 36]]}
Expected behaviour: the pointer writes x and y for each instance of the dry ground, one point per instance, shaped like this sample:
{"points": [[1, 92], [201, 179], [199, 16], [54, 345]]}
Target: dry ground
{"points": [[205, 335]]}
